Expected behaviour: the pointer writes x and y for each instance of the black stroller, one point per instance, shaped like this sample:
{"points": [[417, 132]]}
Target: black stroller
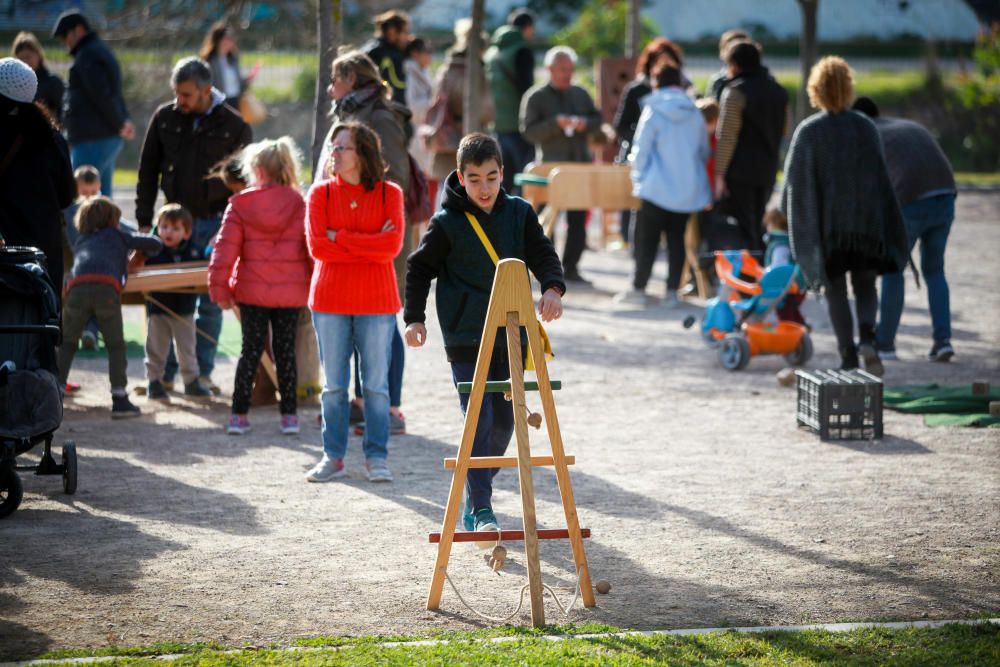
{"points": [[30, 395]]}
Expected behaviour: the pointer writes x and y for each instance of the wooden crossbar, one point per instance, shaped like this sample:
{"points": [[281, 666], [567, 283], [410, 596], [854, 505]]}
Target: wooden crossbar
{"points": [[509, 535], [505, 461], [497, 386]]}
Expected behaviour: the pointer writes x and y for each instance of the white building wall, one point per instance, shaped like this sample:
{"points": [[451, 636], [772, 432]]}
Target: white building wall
{"points": [[687, 20]]}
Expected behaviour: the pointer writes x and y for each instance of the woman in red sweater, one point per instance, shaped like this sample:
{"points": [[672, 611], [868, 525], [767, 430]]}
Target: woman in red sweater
{"points": [[354, 230], [260, 263]]}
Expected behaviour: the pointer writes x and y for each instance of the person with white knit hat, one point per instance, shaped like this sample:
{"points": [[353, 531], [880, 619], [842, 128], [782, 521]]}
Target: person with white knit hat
{"points": [[36, 181], [17, 81]]}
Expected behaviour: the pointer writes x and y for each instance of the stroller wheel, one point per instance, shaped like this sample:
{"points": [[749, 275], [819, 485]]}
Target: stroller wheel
{"points": [[802, 353], [11, 491], [734, 354], [69, 468]]}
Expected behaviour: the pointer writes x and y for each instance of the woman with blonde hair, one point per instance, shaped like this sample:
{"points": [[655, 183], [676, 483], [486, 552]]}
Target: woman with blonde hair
{"points": [[51, 89], [260, 263], [842, 213]]}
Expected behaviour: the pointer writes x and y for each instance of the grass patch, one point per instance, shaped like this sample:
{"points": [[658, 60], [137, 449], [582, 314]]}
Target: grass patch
{"points": [[948, 645], [230, 342], [978, 178]]}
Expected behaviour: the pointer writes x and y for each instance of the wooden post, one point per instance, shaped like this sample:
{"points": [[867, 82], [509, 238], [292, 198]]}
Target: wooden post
{"points": [[808, 53], [329, 28], [524, 469], [633, 29], [471, 99]]}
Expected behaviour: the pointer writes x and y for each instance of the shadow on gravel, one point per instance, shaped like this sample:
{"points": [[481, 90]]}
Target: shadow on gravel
{"points": [[19, 641], [889, 444]]}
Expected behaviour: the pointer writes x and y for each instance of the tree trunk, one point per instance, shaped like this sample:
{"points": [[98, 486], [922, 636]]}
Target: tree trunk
{"points": [[473, 72], [329, 23], [633, 32], [808, 53]]}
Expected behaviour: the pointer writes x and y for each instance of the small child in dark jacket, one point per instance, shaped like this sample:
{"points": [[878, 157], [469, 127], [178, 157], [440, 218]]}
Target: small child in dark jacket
{"points": [[451, 252], [94, 290], [170, 315]]}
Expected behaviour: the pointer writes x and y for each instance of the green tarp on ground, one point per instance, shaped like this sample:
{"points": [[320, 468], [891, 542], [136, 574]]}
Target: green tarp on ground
{"points": [[944, 405]]}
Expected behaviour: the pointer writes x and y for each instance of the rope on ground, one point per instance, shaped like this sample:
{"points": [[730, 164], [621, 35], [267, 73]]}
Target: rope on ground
{"points": [[504, 619]]}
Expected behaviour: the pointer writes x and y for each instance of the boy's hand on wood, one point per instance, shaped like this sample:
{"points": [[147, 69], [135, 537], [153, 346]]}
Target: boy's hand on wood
{"points": [[550, 305], [415, 334]]}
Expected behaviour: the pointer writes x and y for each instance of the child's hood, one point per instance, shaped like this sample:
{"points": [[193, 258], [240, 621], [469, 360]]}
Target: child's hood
{"points": [[270, 208], [457, 199], [672, 103]]}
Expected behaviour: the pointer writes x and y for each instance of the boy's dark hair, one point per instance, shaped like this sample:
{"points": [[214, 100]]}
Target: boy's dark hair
{"points": [[477, 148], [394, 18], [867, 106], [521, 18], [666, 75], [175, 213], [416, 45], [744, 54], [87, 173], [97, 213]]}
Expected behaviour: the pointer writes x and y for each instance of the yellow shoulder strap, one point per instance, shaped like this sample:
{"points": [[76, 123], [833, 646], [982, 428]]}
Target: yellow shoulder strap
{"points": [[476, 227], [546, 344]]}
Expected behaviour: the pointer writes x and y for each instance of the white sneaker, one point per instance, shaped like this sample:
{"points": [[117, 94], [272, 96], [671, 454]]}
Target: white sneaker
{"points": [[378, 471], [326, 470], [632, 297]]}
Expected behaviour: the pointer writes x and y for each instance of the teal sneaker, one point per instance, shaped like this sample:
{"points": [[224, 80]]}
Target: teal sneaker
{"points": [[468, 518], [486, 520]]}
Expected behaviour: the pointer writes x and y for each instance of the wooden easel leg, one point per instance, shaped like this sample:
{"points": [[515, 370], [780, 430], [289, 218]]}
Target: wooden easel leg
{"points": [[524, 470], [562, 470], [461, 465]]}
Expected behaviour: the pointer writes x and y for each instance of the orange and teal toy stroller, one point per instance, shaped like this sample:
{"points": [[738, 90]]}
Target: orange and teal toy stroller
{"points": [[736, 321]]}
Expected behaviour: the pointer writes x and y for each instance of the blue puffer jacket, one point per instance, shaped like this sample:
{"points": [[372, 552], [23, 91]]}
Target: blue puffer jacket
{"points": [[669, 153]]}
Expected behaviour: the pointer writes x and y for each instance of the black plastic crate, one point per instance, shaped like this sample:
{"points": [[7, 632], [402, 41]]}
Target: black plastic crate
{"points": [[840, 405]]}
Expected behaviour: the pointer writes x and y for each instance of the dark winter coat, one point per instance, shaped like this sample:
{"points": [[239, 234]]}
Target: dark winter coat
{"points": [[539, 109], [36, 185], [390, 62], [451, 252], [50, 92], [841, 209], [179, 150], [629, 109], [95, 108], [751, 157], [180, 303], [510, 70]]}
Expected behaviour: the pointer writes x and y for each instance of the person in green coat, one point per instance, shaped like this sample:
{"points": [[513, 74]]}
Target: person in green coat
{"points": [[510, 69]]}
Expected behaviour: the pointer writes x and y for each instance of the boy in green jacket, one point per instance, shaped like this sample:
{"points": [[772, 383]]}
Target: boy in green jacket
{"points": [[451, 252]]}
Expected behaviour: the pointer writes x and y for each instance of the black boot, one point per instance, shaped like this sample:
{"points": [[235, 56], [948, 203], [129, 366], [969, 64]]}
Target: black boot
{"points": [[849, 358]]}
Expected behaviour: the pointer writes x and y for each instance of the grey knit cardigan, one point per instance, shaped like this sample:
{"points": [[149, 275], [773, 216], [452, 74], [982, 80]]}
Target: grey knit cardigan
{"points": [[838, 198]]}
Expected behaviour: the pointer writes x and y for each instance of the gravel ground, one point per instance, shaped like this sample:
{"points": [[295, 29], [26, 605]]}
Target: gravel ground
{"points": [[708, 506]]}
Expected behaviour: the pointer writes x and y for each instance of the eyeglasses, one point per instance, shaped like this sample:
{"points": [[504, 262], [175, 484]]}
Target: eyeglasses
{"points": [[341, 149]]}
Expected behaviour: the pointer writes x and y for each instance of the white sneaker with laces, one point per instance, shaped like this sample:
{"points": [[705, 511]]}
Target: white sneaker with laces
{"points": [[327, 469], [378, 471]]}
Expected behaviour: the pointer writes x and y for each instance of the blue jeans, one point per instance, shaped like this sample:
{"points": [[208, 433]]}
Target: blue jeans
{"points": [[209, 318], [929, 221], [494, 430], [338, 336], [100, 153], [396, 363]]}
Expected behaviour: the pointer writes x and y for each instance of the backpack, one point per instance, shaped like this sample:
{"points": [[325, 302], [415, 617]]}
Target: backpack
{"points": [[444, 133], [418, 204]]}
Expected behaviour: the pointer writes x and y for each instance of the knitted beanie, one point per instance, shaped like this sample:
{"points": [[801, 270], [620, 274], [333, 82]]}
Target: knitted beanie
{"points": [[17, 81]]}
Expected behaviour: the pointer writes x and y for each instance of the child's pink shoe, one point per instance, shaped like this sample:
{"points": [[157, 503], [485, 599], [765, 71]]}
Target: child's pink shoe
{"points": [[238, 425], [289, 424]]}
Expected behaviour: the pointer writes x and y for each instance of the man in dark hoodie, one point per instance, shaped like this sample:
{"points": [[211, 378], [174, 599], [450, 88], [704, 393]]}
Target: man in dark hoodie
{"points": [[97, 121], [452, 252], [510, 68], [392, 34]]}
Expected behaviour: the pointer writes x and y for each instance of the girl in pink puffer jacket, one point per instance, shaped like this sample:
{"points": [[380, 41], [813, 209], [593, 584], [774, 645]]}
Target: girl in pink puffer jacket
{"points": [[261, 265]]}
